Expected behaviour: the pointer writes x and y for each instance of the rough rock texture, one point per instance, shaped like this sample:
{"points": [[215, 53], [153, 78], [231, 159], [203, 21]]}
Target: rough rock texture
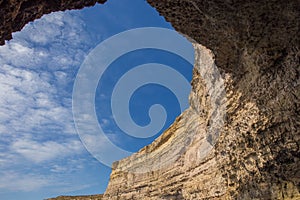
{"points": [[180, 164], [256, 44], [256, 48], [14, 14]]}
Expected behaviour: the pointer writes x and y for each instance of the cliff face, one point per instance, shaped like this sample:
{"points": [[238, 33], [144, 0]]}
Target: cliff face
{"points": [[181, 163], [255, 157], [255, 46], [256, 50]]}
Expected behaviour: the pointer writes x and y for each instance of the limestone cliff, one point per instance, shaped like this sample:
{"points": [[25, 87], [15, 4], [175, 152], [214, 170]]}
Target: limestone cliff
{"points": [[180, 164], [255, 46]]}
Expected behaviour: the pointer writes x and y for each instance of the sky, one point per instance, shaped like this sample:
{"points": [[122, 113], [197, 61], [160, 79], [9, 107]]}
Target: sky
{"points": [[41, 154]]}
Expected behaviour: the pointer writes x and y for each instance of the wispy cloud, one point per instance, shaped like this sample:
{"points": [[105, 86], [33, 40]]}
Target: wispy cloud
{"points": [[37, 70], [13, 181], [39, 152]]}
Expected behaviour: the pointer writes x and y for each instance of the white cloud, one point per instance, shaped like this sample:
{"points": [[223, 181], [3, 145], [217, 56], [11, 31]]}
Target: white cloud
{"points": [[15, 181], [11, 180], [36, 123], [45, 151], [104, 122], [29, 101], [56, 41], [59, 169]]}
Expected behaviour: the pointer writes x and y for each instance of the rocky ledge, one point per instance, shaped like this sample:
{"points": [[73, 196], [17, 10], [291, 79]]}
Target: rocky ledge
{"points": [[254, 46]]}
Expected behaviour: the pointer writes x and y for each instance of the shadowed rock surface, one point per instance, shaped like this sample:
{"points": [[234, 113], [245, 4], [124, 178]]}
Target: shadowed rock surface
{"points": [[255, 45], [14, 14]]}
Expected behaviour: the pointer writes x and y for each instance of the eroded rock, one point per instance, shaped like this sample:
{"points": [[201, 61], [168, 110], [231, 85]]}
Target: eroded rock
{"points": [[255, 45]]}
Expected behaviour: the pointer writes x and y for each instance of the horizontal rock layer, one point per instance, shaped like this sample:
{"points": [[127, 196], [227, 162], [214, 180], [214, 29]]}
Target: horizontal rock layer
{"points": [[180, 164], [256, 49], [255, 45]]}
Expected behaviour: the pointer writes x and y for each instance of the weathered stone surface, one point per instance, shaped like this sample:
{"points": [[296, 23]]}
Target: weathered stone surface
{"points": [[256, 47], [180, 164], [14, 14]]}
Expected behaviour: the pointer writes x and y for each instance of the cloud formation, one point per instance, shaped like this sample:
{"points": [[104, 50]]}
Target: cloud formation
{"points": [[37, 70], [14, 181]]}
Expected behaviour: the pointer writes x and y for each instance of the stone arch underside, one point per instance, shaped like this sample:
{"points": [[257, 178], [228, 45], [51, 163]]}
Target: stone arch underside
{"points": [[255, 45]]}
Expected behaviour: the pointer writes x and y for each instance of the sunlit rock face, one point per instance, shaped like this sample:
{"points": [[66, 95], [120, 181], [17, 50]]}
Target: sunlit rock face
{"points": [[256, 48], [255, 45], [181, 163]]}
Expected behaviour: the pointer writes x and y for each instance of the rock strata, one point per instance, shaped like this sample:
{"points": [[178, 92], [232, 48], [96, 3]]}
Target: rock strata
{"points": [[180, 164], [255, 47]]}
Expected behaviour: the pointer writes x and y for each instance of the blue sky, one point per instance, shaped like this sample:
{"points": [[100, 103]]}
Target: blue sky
{"points": [[41, 154]]}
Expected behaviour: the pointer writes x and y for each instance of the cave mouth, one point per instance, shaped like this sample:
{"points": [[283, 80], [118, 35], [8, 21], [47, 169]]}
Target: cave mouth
{"points": [[39, 67], [257, 49]]}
